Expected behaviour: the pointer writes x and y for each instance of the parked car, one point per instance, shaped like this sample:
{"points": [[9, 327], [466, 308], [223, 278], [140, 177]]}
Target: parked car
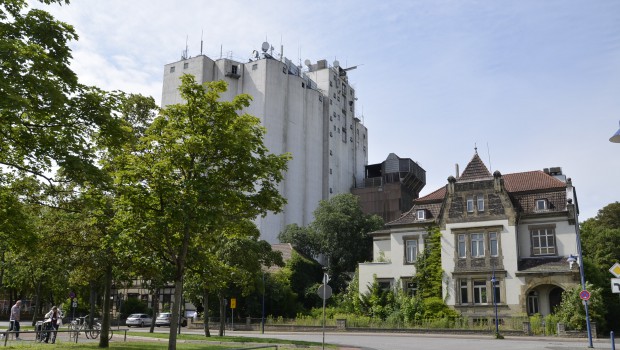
{"points": [[164, 318], [139, 320]]}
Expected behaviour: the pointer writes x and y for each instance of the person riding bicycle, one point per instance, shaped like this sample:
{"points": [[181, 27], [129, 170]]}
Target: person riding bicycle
{"points": [[54, 319]]}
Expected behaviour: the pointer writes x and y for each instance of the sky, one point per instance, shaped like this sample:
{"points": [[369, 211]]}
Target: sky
{"points": [[532, 84]]}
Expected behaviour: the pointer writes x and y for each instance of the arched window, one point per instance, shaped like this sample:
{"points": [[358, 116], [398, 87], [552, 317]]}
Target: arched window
{"points": [[532, 303]]}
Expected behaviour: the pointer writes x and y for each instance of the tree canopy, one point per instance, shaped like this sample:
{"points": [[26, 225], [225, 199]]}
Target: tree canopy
{"points": [[339, 233], [199, 167]]}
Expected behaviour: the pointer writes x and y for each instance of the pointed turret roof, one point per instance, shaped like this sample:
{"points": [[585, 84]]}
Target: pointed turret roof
{"points": [[475, 170]]}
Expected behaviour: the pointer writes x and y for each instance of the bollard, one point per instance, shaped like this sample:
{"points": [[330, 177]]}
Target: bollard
{"points": [[613, 342]]}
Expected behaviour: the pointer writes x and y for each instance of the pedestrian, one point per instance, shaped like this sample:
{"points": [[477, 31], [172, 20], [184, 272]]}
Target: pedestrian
{"points": [[14, 319], [53, 318]]}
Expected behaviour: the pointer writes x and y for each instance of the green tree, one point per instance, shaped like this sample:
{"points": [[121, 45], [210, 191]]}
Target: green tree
{"points": [[339, 233], [200, 165], [428, 272], [48, 119], [571, 310], [304, 239], [600, 240]]}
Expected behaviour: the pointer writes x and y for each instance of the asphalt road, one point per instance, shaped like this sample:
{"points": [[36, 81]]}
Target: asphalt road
{"points": [[392, 341], [399, 341]]}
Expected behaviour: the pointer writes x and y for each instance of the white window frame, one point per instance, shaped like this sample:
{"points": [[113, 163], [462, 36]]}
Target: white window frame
{"points": [[480, 202], [411, 250], [462, 245], [544, 205], [477, 245], [532, 303], [543, 241], [463, 291], [421, 214], [496, 290], [480, 292], [493, 244], [411, 288], [470, 204]]}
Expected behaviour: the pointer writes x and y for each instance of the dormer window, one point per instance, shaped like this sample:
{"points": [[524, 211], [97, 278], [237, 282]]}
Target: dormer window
{"points": [[470, 204], [421, 214], [541, 204], [480, 202]]}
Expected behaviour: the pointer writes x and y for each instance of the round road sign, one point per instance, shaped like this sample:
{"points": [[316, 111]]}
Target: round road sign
{"points": [[584, 295], [325, 291]]}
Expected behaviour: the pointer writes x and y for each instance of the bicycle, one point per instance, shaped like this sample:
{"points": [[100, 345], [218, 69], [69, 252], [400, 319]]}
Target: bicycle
{"points": [[42, 328], [78, 325], [96, 330]]}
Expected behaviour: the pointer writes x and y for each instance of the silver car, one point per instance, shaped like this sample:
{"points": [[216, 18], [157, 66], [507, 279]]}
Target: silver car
{"points": [[139, 320], [164, 318]]}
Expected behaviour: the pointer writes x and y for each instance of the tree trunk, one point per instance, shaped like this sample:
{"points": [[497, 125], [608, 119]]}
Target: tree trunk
{"points": [[178, 288], [92, 300], [174, 322], [155, 309], [104, 342], [205, 299], [222, 314], [37, 299]]}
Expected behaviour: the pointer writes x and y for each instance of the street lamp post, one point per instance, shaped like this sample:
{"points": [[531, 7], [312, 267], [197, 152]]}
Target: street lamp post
{"points": [[493, 282], [579, 260], [262, 320]]}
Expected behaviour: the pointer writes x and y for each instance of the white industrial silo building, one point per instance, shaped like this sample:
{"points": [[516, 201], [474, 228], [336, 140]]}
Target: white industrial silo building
{"points": [[307, 112]]}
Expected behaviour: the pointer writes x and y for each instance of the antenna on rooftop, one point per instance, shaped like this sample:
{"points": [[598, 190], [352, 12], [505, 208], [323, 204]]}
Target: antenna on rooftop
{"points": [[184, 55], [201, 34], [489, 153]]}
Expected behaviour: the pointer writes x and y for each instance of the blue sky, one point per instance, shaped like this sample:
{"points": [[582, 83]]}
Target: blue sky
{"points": [[533, 83]]}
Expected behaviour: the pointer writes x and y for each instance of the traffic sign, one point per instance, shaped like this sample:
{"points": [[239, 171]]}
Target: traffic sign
{"points": [[72, 294], [584, 295], [615, 285], [233, 303], [615, 270], [325, 291]]}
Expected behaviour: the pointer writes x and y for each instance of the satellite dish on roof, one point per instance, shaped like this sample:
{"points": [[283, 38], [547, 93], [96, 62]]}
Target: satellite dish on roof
{"points": [[336, 63], [265, 46], [307, 63]]}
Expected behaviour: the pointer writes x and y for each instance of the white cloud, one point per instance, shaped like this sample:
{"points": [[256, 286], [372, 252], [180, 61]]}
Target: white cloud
{"points": [[538, 81]]}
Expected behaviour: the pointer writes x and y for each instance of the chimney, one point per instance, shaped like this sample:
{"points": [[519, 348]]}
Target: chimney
{"points": [[456, 166]]}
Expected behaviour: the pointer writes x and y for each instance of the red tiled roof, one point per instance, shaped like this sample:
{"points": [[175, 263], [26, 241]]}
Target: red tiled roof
{"points": [[475, 170], [531, 180], [439, 194]]}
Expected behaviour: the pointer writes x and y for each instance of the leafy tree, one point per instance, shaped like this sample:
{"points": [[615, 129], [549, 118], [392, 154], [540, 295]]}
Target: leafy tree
{"points": [[350, 300], [305, 274], [47, 118], [200, 165], [571, 310], [600, 240], [428, 271], [304, 239], [379, 302], [339, 233]]}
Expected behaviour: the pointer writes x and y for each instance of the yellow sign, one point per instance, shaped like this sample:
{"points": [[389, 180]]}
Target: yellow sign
{"points": [[233, 303], [615, 270]]}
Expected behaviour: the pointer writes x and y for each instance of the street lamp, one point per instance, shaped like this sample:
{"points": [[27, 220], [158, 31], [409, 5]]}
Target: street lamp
{"points": [[579, 260], [262, 320], [616, 137], [493, 282]]}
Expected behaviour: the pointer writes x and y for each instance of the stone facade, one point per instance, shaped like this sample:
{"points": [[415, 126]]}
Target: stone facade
{"points": [[516, 228]]}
